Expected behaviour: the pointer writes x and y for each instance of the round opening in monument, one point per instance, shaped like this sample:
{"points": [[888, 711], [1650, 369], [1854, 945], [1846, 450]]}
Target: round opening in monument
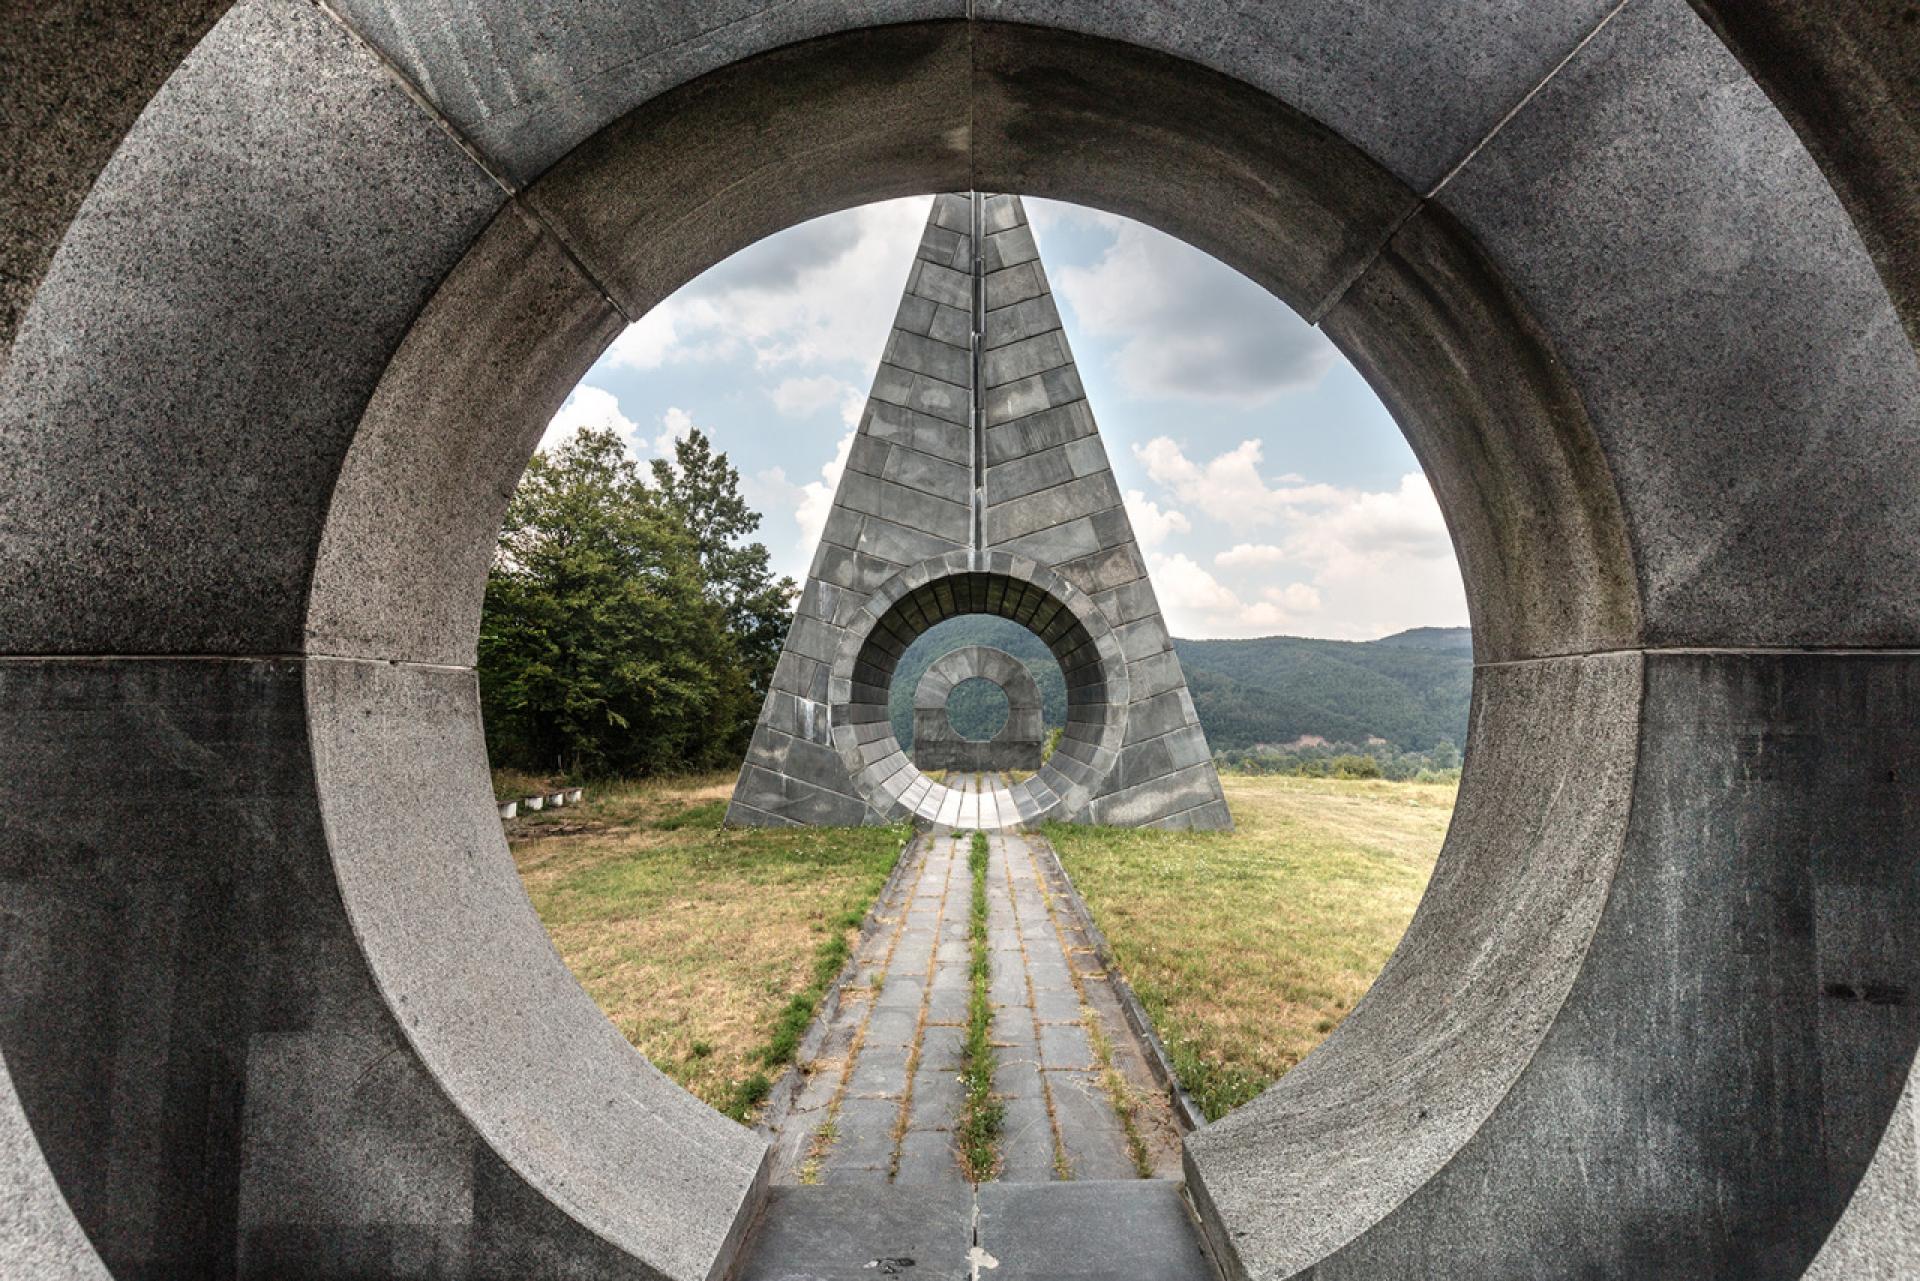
{"points": [[918, 599], [977, 709]]}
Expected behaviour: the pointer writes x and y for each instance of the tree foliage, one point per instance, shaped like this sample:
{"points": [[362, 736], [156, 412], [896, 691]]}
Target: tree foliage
{"points": [[624, 633]]}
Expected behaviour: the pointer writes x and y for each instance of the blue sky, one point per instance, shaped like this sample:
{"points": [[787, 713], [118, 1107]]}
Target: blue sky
{"points": [[1271, 491]]}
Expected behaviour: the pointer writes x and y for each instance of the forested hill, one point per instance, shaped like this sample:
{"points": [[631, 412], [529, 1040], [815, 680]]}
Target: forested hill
{"points": [[1410, 689]]}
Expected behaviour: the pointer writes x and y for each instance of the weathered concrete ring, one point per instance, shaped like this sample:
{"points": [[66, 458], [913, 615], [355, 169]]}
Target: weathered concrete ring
{"points": [[938, 745], [912, 602]]}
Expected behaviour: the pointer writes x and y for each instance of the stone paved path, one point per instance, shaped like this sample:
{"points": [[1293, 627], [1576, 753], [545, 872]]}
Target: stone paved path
{"points": [[882, 1093]]}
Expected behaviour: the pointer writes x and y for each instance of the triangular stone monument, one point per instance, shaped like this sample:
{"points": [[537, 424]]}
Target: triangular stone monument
{"points": [[978, 483]]}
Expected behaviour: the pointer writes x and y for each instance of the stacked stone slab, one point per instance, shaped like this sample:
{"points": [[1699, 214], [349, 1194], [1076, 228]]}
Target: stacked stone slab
{"points": [[978, 438], [937, 745]]}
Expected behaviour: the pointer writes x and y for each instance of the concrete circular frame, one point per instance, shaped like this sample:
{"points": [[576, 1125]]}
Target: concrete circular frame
{"points": [[1021, 705], [921, 597], [289, 305], [999, 702]]}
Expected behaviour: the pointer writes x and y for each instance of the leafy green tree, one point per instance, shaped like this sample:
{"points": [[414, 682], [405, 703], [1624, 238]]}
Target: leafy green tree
{"points": [[704, 489], [602, 650]]}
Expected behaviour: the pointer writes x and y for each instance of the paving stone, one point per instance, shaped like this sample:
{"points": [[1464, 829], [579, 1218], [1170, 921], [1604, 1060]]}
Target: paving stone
{"points": [[879, 1072], [1049, 974], [863, 1135], [901, 992], [1065, 1045], [840, 1234], [1008, 985], [938, 1096], [840, 1174], [942, 1048], [1013, 1025], [949, 1005], [1026, 1140], [1090, 1129], [1017, 1078], [890, 1028], [1056, 1007], [1138, 1230], [927, 1157]]}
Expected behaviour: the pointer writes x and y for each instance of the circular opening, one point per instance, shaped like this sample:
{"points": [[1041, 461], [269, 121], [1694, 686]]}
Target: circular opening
{"points": [[920, 598], [977, 710]]}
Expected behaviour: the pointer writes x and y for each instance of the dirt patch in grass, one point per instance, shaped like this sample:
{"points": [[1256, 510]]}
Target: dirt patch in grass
{"points": [[708, 949], [1248, 947]]}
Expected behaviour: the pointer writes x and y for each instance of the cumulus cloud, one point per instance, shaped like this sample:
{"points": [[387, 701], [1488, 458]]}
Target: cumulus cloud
{"points": [[770, 490], [675, 425], [1151, 526], [1300, 598], [1229, 487], [590, 406], [805, 397], [1195, 603], [1249, 556], [823, 292], [1361, 563], [816, 497], [1189, 326], [587, 406]]}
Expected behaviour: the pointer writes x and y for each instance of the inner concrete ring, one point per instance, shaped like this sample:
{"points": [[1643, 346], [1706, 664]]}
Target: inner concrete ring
{"points": [[1014, 745], [922, 596], [280, 1005]]}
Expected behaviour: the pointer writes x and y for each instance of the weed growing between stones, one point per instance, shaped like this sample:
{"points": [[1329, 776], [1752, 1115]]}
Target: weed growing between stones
{"points": [[980, 1120]]}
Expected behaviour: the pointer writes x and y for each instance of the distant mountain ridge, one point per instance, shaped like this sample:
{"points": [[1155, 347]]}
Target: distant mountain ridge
{"points": [[1449, 640], [1410, 690]]}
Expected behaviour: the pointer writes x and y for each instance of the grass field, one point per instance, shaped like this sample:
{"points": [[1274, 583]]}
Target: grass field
{"points": [[1248, 947], [708, 949]]}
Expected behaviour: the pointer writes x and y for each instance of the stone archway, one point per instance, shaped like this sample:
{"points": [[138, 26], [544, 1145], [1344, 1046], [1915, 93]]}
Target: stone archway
{"points": [[275, 985]]}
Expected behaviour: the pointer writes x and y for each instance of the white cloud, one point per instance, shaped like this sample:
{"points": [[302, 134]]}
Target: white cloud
{"points": [[646, 342], [1363, 531], [676, 425], [1188, 325], [587, 406], [1249, 556], [590, 406], [1151, 526], [1229, 487], [816, 497], [805, 397], [823, 292], [1195, 603], [1301, 598], [1360, 563]]}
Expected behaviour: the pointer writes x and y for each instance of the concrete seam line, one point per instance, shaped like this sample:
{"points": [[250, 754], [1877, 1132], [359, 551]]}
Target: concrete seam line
{"points": [[1528, 97], [418, 95], [1713, 651], [473, 153], [288, 657], [1345, 285]]}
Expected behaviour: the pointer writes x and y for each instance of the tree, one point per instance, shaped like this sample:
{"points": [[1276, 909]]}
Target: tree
{"points": [[704, 488], [602, 651]]}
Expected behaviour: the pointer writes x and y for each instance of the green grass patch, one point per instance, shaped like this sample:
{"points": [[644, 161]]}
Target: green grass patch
{"points": [[1248, 947], [979, 1131], [710, 950]]}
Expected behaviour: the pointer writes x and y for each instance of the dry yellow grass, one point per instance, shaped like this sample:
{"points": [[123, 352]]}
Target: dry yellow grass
{"points": [[1248, 947], [697, 941]]}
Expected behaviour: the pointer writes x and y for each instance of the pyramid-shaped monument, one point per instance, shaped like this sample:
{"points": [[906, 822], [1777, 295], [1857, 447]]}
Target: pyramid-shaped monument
{"points": [[978, 484]]}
